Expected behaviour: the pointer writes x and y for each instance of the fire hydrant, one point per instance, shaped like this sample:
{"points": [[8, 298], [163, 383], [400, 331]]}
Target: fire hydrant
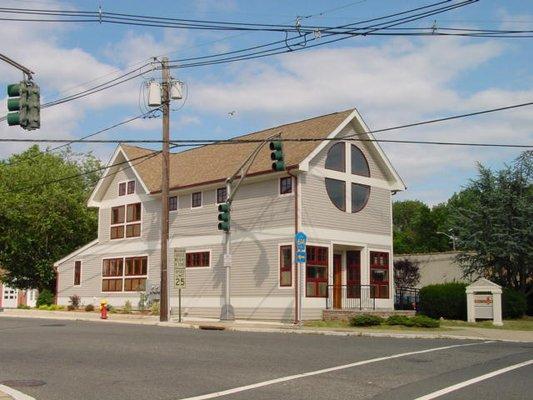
{"points": [[103, 309]]}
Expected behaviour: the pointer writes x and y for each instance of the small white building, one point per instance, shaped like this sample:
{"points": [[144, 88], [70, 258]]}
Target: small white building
{"points": [[12, 298]]}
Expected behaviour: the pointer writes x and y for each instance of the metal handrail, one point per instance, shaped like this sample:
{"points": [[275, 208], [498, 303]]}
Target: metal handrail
{"points": [[350, 297]]}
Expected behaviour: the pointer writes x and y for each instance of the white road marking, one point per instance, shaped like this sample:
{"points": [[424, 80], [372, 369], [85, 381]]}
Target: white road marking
{"points": [[461, 385], [15, 393], [323, 371]]}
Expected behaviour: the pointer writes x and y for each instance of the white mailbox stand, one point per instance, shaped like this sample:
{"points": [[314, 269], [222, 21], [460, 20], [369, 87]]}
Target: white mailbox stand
{"points": [[484, 301]]}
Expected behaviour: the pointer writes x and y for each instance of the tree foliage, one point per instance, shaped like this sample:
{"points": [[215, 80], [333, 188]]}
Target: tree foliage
{"points": [[494, 227], [416, 226], [41, 223]]}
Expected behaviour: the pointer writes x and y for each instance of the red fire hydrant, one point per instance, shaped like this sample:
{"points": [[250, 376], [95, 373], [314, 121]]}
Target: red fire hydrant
{"points": [[103, 309]]}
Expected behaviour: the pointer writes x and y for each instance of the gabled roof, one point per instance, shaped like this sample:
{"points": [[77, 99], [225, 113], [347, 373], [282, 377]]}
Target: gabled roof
{"points": [[216, 162]]}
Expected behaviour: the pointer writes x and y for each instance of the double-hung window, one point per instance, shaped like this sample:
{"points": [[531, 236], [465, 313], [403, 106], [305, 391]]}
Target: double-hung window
{"points": [[196, 200], [126, 220], [173, 203], [124, 274], [126, 188], [222, 195], [285, 185], [285, 266], [77, 273]]}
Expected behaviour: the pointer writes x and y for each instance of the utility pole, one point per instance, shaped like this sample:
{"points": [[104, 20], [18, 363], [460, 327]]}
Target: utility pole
{"points": [[228, 313], [164, 310]]}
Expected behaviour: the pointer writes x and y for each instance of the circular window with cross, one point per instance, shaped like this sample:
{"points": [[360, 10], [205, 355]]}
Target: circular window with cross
{"points": [[347, 194]]}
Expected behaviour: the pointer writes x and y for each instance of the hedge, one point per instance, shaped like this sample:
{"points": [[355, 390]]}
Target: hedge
{"points": [[447, 300]]}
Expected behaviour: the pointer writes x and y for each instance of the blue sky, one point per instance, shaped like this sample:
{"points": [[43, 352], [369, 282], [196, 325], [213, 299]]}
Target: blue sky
{"points": [[391, 80]]}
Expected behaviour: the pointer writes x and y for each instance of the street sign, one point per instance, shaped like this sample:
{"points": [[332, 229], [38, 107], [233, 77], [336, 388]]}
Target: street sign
{"points": [[179, 268], [300, 239]]}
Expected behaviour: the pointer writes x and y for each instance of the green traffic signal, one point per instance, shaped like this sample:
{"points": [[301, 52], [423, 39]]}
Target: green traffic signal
{"points": [[277, 155], [224, 217], [25, 101]]}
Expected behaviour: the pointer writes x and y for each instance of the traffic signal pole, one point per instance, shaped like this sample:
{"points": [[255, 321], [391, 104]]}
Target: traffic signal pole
{"points": [[227, 313], [164, 309]]}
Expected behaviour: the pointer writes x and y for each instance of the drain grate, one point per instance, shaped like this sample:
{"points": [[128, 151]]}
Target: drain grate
{"points": [[52, 325], [23, 383], [212, 327]]}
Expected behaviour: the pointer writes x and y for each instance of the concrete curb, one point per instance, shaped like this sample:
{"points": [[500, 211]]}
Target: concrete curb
{"points": [[286, 330], [8, 393]]}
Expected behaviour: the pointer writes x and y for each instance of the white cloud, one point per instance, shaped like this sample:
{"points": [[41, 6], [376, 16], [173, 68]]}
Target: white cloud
{"points": [[398, 82]]}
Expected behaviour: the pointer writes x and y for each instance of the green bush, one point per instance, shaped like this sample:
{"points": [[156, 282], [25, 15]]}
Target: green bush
{"points": [[71, 307], [23, 307], [154, 309], [423, 321], [45, 298], [446, 300], [366, 320], [514, 304], [89, 308], [127, 307], [399, 320]]}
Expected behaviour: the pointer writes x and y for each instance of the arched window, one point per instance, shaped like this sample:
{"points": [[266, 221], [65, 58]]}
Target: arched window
{"points": [[359, 163], [360, 195], [336, 157], [337, 193]]}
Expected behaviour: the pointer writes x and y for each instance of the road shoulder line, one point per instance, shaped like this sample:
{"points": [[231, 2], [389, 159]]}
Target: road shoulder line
{"points": [[15, 394]]}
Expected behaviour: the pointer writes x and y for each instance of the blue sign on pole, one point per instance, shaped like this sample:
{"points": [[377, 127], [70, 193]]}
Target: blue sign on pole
{"points": [[300, 239]]}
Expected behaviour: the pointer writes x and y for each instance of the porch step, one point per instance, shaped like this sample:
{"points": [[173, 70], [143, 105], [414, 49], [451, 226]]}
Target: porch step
{"points": [[346, 315]]}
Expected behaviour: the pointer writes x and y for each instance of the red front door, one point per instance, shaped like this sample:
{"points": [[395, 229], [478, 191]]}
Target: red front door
{"points": [[337, 281]]}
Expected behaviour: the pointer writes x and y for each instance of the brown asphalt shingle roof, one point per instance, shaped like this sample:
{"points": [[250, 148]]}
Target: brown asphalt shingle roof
{"points": [[217, 162]]}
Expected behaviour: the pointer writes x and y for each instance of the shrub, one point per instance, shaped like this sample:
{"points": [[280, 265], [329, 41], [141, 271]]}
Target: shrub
{"points": [[71, 307], [127, 307], [89, 308], [366, 320], [143, 301], [154, 309], [75, 302], [423, 321], [23, 307], [514, 304], [399, 320], [447, 300], [110, 308], [45, 298]]}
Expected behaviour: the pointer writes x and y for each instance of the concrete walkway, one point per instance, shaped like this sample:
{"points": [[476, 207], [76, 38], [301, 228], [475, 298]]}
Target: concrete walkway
{"points": [[263, 326]]}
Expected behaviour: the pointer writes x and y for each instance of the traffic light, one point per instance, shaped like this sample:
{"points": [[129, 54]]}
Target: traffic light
{"points": [[276, 155], [24, 100], [224, 217]]}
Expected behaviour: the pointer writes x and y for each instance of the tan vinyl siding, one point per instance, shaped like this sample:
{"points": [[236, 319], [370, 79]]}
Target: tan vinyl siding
{"points": [[254, 271], [91, 275], [257, 206], [319, 211], [125, 174]]}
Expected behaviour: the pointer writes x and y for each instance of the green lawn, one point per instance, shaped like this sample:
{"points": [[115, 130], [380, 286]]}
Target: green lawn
{"points": [[523, 324]]}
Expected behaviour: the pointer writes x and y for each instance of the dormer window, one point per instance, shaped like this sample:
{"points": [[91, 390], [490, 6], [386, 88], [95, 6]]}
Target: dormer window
{"points": [[126, 188]]}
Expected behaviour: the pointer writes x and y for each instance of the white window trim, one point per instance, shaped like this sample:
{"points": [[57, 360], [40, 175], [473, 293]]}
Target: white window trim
{"points": [[201, 200], [177, 204], [279, 187], [210, 266], [124, 276], [280, 245], [74, 273], [216, 196], [127, 223], [126, 182]]}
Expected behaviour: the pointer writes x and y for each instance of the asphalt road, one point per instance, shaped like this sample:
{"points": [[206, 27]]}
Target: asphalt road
{"points": [[94, 360]]}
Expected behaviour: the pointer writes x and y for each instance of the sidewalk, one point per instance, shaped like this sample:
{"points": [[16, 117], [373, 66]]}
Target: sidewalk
{"points": [[276, 327]]}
